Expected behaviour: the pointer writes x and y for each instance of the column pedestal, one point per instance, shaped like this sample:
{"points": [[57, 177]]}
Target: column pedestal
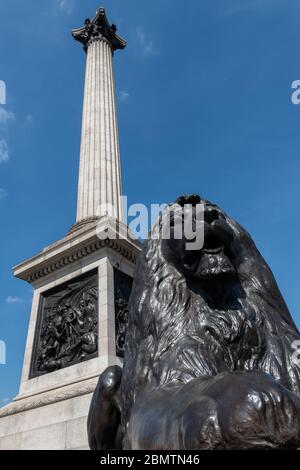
{"points": [[81, 283], [51, 409]]}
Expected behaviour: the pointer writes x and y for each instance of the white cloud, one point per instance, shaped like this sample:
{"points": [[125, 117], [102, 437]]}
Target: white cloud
{"points": [[66, 6], [124, 95], [13, 300], [4, 153], [3, 194], [146, 44], [6, 116]]}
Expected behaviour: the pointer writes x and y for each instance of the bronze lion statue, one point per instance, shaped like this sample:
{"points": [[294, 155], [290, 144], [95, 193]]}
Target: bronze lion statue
{"points": [[210, 358]]}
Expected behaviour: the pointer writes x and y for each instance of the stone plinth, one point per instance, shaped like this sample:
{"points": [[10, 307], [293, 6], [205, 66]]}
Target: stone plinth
{"points": [[51, 409]]}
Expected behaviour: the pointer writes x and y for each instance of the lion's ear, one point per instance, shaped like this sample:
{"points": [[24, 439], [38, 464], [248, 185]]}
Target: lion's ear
{"points": [[192, 199]]}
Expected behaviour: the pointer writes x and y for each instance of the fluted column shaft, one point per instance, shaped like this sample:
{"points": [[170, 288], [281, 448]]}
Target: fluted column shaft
{"points": [[99, 188]]}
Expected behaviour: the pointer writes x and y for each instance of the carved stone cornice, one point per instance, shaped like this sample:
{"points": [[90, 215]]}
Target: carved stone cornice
{"points": [[99, 28], [80, 253], [106, 233]]}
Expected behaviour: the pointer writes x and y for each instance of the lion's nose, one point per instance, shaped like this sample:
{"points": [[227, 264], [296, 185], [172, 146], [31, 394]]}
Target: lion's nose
{"points": [[210, 215]]}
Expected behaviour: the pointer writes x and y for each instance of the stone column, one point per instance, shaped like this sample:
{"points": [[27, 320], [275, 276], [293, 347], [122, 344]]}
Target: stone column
{"points": [[99, 187]]}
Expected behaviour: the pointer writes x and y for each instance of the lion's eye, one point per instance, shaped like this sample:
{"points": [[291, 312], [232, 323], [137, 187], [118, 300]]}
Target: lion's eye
{"points": [[211, 215]]}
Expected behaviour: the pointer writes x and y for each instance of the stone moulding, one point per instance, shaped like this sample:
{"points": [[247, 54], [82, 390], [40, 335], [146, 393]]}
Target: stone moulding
{"points": [[80, 253], [77, 245], [30, 404]]}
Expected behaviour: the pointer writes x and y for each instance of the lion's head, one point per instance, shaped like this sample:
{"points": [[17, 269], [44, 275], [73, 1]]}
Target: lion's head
{"points": [[196, 313]]}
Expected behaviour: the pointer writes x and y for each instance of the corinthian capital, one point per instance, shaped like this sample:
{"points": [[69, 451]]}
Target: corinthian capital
{"points": [[98, 28]]}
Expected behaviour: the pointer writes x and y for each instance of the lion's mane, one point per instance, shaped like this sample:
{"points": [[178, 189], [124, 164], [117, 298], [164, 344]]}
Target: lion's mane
{"points": [[176, 335]]}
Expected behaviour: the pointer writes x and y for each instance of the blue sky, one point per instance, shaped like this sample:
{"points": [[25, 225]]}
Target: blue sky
{"points": [[204, 98]]}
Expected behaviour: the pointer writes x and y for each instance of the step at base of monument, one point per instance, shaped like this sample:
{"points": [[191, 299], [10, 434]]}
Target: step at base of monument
{"points": [[52, 421]]}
